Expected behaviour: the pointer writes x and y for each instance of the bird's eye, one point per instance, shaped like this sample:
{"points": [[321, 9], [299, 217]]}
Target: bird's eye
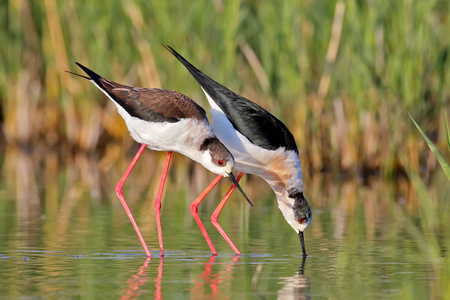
{"points": [[220, 162], [301, 221]]}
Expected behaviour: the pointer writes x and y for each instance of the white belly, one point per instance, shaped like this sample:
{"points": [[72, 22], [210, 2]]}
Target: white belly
{"points": [[183, 136]]}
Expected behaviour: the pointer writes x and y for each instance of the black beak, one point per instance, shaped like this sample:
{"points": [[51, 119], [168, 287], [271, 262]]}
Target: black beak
{"points": [[302, 242], [234, 181]]}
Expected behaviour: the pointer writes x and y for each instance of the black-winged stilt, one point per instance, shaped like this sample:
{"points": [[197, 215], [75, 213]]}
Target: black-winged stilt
{"points": [[165, 120], [261, 145]]}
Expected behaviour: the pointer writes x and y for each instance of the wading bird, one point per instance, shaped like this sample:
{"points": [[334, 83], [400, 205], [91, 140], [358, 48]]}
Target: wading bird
{"points": [[261, 145], [165, 120]]}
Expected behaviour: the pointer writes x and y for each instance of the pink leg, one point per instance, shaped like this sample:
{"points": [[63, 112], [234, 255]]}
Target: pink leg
{"points": [[124, 203], [158, 201], [215, 216], [194, 211]]}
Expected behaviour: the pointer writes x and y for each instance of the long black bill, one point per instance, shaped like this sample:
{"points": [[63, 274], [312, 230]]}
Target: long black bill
{"points": [[302, 241], [234, 181]]}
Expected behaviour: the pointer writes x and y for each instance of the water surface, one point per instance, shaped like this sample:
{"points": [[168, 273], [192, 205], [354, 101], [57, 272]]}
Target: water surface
{"points": [[67, 239]]}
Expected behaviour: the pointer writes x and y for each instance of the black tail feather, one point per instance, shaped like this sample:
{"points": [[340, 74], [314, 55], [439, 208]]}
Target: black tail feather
{"points": [[92, 75], [205, 81], [214, 89], [187, 64]]}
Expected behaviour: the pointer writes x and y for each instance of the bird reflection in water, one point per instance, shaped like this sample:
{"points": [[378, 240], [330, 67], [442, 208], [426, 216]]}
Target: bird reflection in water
{"points": [[215, 280], [158, 279], [297, 286], [140, 278]]}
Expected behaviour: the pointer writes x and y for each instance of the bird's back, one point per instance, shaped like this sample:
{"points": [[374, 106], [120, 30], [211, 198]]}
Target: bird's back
{"points": [[248, 118], [151, 104], [148, 104]]}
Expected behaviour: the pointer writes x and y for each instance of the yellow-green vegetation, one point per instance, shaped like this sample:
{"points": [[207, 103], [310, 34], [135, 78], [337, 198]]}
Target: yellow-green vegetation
{"points": [[431, 237], [444, 164], [340, 74]]}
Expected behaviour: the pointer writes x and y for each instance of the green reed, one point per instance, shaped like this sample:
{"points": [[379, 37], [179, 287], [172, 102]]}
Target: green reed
{"points": [[444, 164], [430, 235], [340, 74]]}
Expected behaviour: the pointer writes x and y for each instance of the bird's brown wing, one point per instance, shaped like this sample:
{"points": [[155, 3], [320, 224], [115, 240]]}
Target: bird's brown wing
{"points": [[155, 105]]}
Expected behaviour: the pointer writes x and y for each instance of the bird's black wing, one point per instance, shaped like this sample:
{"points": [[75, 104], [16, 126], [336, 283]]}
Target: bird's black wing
{"points": [[251, 120]]}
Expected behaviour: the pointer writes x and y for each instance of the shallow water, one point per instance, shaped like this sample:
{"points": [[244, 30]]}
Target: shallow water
{"points": [[77, 243], [366, 269]]}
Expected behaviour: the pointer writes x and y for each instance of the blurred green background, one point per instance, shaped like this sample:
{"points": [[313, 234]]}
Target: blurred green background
{"points": [[342, 77]]}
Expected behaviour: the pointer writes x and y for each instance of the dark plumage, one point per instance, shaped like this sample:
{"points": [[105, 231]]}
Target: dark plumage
{"points": [[301, 207], [251, 120]]}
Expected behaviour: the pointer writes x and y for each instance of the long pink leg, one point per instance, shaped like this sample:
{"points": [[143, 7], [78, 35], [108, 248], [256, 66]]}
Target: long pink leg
{"points": [[124, 203], [194, 211], [158, 201], [216, 213]]}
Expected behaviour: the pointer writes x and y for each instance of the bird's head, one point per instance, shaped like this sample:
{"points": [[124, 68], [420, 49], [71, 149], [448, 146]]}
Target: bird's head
{"points": [[220, 161], [297, 213]]}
